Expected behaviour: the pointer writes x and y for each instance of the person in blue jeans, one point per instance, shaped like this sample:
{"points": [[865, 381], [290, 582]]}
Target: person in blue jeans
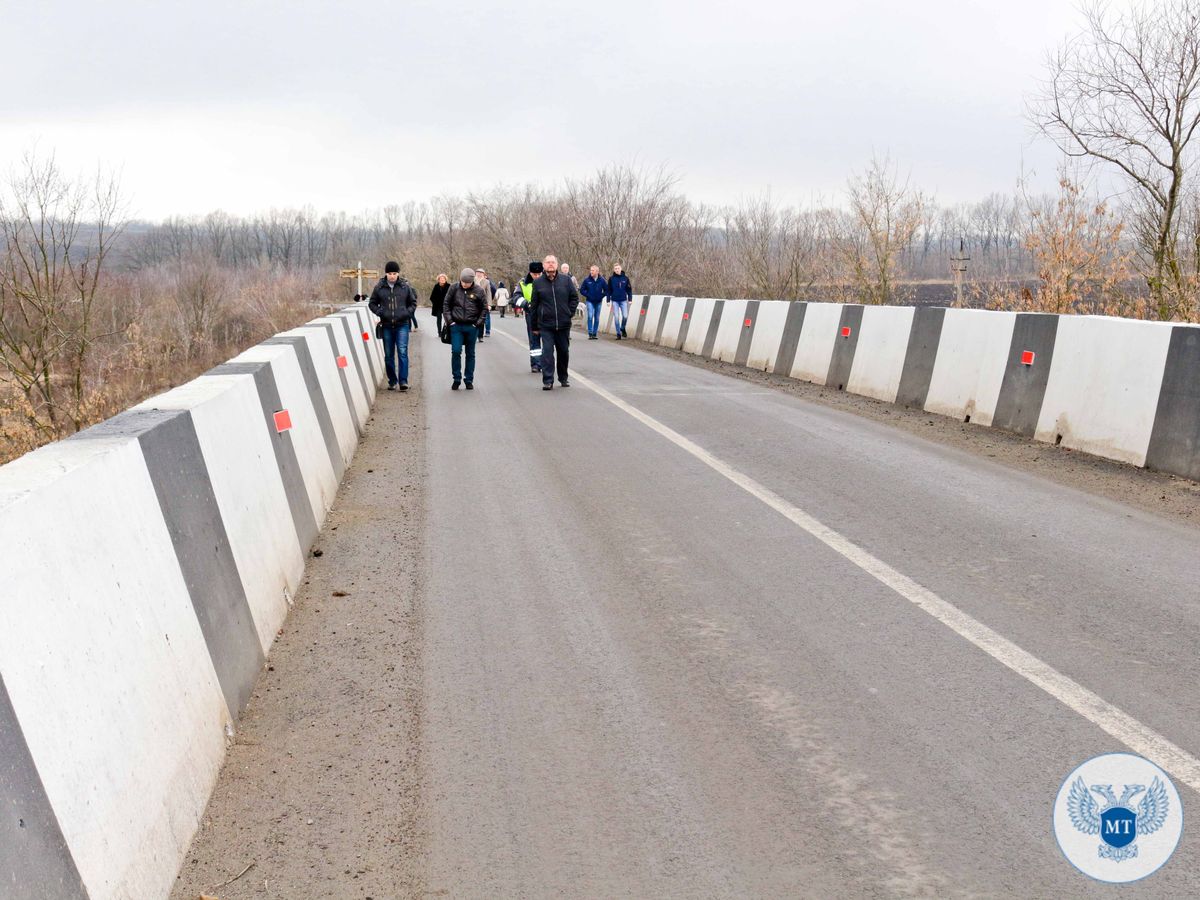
{"points": [[489, 292], [463, 313], [620, 291], [595, 291], [394, 301]]}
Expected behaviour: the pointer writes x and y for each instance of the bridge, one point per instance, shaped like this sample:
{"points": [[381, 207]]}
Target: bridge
{"points": [[745, 611]]}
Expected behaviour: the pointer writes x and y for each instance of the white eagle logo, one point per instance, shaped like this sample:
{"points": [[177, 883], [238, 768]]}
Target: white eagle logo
{"points": [[1116, 821]]}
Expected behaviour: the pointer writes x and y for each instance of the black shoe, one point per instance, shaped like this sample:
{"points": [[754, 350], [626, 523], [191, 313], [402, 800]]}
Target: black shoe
{"points": [[454, 387], [565, 383], [547, 387], [470, 385], [391, 387], [618, 335], [404, 385]]}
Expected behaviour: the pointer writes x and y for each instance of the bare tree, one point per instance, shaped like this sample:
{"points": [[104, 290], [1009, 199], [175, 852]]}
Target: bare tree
{"points": [[884, 216], [1123, 92], [55, 236], [775, 250]]}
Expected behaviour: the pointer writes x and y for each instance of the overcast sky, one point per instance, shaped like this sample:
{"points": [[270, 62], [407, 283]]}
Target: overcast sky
{"points": [[351, 105]]}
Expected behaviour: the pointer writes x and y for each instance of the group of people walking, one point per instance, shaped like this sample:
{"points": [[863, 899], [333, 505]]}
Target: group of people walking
{"points": [[548, 297]]}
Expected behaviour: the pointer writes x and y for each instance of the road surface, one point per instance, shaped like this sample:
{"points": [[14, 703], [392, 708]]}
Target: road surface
{"points": [[684, 636]]}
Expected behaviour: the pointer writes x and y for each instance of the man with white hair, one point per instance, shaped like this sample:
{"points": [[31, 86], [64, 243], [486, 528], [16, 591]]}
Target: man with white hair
{"points": [[551, 308]]}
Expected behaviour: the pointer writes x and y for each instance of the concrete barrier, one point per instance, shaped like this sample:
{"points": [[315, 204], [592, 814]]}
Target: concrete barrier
{"points": [[149, 562], [1123, 389], [968, 369], [814, 350], [878, 362], [729, 331]]}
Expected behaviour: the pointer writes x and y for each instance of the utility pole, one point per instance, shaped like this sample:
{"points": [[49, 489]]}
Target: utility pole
{"points": [[958, 265]]}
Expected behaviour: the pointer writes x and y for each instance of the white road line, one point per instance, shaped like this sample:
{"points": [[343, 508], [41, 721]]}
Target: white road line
{"points": [[1139, 738]]}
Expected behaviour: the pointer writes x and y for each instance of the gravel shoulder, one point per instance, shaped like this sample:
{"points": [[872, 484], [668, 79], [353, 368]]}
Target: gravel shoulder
{"points": [[319, 794], [1166, 495]]}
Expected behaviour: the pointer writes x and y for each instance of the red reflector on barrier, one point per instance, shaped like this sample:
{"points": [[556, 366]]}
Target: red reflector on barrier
{"points": [[846, 332], [747, 323], [366, 335], [342, 362], [283, 421], [1027, 357], [686, 317], [643, 312]]}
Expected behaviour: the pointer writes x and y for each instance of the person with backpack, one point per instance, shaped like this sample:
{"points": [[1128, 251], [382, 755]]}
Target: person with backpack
{"points": [[595, 291], [394, 301], [551, 310], [463, 314], [620, 292]]}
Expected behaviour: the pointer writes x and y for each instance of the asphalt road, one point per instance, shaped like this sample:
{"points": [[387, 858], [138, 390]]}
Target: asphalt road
{"points": [[640, 679]]}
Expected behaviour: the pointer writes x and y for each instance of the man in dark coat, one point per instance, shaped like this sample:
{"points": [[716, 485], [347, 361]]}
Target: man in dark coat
{"points": [[395, 303], [620, 292], [552, 308], [594, 290], [463, 313]]}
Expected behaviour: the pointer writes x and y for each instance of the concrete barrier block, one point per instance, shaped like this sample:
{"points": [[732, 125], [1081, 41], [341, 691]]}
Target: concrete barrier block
{"points": [[312, 433], [361, 355], [729, 333], [673, 320], [1175, 440], [355, 378], [334, 386], [248, 487], [1104, 380], [879, 357], [789, 341], [970, 364], [814, 351], [647, 328], [698, 324], [105, 663], [769, 320]]}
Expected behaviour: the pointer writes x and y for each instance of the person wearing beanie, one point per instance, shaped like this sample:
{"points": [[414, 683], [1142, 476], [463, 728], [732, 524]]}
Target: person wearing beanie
{"points": [[535, 341], [394, 301], [463, 313]]}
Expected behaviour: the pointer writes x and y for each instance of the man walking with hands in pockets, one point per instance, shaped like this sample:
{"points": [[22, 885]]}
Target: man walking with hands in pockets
{"points": [[552, 308], [463, 313]]}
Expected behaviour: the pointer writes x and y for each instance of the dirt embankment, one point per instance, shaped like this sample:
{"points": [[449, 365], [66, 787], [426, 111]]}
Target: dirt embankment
{"points": [[320, 795]]}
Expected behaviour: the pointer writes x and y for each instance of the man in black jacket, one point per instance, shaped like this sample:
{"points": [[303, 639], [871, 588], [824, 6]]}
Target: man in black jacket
{"points": [[552, 307], [395, 302], [463, 314]]}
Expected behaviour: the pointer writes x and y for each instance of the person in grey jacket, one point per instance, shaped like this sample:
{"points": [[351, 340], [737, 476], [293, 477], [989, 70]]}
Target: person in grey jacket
{"points": [[394, 301]]}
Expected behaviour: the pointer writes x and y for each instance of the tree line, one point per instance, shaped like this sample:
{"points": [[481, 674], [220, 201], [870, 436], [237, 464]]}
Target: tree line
{"points": [[97, 310]]}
